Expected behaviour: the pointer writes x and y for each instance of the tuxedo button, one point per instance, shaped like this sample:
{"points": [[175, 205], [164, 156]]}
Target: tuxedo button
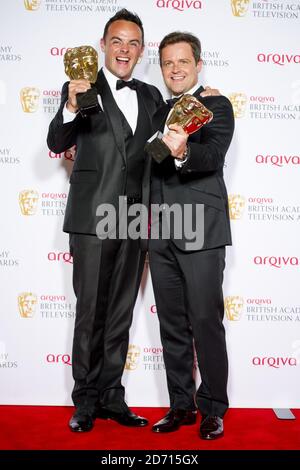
{"points": [[123, 168]]}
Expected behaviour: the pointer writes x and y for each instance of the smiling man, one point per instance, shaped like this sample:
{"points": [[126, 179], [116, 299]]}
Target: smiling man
{"points": [[109, 164], [187, 280]]}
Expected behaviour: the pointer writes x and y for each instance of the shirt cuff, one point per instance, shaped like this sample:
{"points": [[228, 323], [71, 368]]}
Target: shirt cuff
{"points": [[67, 115], [180, 162]]}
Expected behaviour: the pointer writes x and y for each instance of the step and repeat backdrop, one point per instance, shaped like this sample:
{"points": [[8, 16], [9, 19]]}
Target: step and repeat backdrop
{"points": [[251, 53]]}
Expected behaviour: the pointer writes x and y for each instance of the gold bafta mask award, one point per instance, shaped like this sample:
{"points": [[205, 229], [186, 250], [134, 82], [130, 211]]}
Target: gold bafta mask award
{"points": [[188, 113], [82, 63]]}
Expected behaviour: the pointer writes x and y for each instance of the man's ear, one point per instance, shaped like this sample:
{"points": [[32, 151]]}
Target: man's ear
{"points": [[141, 55], [199, 66], [102, 44]]}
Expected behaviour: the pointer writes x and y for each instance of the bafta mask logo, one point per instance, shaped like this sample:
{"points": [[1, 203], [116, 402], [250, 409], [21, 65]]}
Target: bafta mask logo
{"points": [[28, 200], [240, 7], [27, 303], [81, 62], [30, 99], [236, 206], [133, 355], [239, 104], [32, 5], [233, 307]]}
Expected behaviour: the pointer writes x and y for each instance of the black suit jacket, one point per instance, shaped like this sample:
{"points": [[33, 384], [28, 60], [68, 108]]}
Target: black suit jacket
{"points": [[100, 169], [200, 180]]}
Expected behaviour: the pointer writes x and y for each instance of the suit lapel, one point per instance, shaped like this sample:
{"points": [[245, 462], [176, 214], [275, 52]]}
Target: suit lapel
{"points": [[161, 117], [112, 112]]}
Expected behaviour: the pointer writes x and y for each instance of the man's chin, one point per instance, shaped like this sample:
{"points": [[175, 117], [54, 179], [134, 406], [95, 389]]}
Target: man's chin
{"points": [[177, 92]]}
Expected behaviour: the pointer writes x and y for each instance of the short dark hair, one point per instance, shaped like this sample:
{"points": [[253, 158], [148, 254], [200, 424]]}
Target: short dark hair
{"points": [[178, 36], [126, 16]]}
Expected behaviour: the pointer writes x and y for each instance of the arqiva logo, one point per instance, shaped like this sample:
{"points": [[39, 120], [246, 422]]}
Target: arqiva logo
{"points": [[277, 261], [275, 362], [59, 358], [59, 51], [66, 257], [278, 160], [180, 5], [67, 155], [279, 59]]}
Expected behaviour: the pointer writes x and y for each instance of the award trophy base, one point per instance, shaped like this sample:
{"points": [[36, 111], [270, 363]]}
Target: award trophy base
{"points": [[156, 148], [88, 103]]}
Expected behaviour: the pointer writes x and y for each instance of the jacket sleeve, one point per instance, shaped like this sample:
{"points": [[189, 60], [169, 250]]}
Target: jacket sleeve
{"points": [[209, 153], [62, 136]]}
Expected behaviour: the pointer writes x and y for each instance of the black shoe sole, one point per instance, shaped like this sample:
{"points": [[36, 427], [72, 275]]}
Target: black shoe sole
{"points": [[212, 438], [81, 429]]}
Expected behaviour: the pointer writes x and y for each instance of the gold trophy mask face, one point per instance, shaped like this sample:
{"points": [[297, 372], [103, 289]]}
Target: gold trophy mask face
{"points": [[132, 358], [30, 99], [28, 200], [236, 206], [32, 5], [81, 63], [239, 104], [239, 7], [233, 307], [188, 113], [27, 303]]}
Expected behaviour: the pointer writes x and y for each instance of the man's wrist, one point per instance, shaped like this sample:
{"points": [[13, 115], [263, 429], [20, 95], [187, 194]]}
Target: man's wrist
{"points": [[179, 162], [184, 156], [185, 153], [71, 108]]}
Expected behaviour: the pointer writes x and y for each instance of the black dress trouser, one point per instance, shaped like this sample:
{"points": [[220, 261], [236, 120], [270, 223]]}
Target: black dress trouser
{"points": [[189, 300], [106, 278]]}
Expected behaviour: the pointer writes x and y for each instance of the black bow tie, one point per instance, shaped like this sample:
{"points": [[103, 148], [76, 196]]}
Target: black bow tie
{"points": [[122, 83], [171, 102]]}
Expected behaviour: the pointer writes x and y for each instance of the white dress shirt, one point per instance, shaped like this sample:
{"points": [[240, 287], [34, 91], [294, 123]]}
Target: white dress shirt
{"points": [[125, 98]]}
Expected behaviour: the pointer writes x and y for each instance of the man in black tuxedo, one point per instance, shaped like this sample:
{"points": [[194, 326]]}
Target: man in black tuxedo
{"points": [[187, 279], [109, 164]]}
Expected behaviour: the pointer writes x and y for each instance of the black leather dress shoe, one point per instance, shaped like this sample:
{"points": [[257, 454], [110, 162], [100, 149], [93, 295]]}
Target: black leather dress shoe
{"points": [[125, 417], [81, 421], [174, 419], [211, 427]]}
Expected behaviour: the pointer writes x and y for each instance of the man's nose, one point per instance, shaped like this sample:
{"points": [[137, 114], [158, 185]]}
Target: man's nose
{"points": [[175, 68], [124, 47]]}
